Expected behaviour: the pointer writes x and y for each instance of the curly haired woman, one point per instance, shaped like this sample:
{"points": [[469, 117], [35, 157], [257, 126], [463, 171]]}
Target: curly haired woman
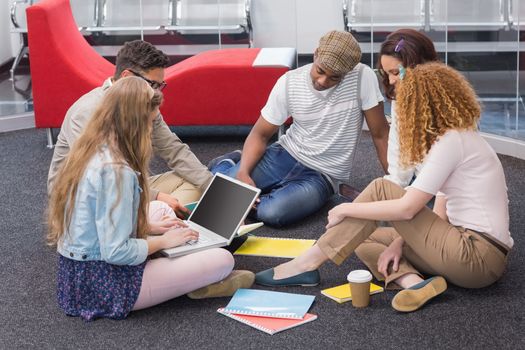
{"points": [[465, 240]]}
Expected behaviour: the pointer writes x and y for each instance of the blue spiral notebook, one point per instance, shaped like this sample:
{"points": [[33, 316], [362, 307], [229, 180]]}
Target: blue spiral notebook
{"points": [[266, 303]]}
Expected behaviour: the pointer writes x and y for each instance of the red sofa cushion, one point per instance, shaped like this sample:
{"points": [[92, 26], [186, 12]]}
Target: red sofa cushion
{"points": [[218, 87]]}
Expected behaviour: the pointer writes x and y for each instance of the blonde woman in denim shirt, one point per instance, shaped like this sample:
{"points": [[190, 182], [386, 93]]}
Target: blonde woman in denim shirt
{"points": [[98, 218]]}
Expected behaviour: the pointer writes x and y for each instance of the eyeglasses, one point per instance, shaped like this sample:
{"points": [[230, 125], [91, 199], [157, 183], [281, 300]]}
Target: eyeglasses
{"points": [[154, 84]]}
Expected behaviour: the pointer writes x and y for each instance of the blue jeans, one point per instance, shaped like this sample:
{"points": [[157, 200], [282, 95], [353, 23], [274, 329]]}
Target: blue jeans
{"points": [[290, 191]]}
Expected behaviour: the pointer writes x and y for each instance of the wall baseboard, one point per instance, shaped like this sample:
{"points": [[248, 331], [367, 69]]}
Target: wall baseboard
{"points": [[506, 145], [17, 122]]}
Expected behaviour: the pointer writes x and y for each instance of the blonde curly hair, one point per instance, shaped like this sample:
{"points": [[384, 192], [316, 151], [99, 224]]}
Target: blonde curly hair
{"points": [[431, 99]]}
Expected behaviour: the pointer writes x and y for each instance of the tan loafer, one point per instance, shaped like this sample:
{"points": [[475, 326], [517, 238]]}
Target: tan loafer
{"points": [[411, 299], [225, 288]]}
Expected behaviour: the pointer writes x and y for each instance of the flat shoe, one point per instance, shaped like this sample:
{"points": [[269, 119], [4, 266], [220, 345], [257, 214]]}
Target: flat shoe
{"points": [[305, 279], [411, 299], [225, 288]]}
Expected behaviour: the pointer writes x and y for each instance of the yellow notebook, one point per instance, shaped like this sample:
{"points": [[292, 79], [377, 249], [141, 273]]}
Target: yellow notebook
{"points": [[342, 294], [274, 247]]}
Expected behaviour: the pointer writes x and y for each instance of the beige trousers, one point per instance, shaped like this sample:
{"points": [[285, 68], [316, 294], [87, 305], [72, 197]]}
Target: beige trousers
{"points": [[181, 189], [432, 245]]}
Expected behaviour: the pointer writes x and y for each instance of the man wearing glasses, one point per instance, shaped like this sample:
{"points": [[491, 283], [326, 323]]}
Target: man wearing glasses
{"points": [[187, 178]]}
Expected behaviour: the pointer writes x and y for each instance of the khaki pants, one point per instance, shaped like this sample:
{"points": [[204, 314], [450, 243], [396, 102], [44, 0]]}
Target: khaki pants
{"points": [[181, 189], [432, 245]]}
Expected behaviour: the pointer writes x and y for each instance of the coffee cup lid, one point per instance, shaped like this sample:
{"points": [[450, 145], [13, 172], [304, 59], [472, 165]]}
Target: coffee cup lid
{"points": [[359, 276]]}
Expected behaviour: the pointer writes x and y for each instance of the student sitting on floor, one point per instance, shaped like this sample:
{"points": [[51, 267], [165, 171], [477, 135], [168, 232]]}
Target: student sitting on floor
{"points": [[465, 239], [187, 177], [98, 219], [327, 100]]}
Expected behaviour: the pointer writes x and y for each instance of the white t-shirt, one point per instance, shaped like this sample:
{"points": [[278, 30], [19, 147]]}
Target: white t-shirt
{"points": [[396, 173], [276, 109], [327, 124], [463, 166]]}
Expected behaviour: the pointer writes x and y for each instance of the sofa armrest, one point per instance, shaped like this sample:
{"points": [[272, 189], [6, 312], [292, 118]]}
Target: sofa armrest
{"points": [[276, 57]]}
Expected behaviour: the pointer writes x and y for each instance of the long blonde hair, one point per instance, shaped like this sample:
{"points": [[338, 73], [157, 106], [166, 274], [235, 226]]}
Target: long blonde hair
{"points": [[122, 122], [432, 99]]}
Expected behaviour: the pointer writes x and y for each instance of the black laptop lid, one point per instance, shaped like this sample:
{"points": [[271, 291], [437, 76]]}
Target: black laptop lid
{"points": [[224, 205]]}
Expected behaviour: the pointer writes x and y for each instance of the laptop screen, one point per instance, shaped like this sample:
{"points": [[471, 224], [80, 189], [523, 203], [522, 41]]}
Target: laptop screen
{"points": [[223, 206]]}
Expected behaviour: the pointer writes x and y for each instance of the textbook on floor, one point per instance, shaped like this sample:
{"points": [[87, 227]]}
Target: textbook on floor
{"points": [[270, 325], [342, 293], [265, 303], [274, 247]]}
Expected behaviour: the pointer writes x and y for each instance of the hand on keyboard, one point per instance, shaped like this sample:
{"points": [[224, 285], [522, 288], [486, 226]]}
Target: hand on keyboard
{"points": [[178, 236], [200, 239], [165, 224]]}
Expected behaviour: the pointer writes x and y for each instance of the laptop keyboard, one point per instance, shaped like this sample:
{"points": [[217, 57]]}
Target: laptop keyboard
{"points": [[202, 239]]}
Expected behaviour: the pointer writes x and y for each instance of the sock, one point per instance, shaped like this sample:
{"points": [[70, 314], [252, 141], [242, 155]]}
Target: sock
{"points": [[422, 283]]}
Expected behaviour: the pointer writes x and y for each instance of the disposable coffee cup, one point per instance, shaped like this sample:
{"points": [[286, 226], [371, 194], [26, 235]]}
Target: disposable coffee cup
{"points": [[359, 281]]}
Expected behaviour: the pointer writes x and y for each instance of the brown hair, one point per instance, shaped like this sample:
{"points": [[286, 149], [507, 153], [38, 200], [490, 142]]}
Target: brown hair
{"points": [[122, 122], [432, 99], [410, 47], [140, 56]]}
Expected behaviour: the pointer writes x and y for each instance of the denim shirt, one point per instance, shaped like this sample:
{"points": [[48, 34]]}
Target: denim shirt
{"points": [[102, 228]]}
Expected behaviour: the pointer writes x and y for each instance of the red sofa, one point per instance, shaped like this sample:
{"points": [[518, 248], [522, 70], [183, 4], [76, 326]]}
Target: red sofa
{"points": [[63, 65], [218, 87]]}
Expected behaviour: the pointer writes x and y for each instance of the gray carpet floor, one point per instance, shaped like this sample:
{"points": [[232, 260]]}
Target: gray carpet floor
{"points": [[488, 318]]}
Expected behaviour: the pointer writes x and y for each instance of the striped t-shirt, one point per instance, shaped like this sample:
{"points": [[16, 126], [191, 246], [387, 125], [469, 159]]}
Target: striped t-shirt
{"points": [[326, 124]]}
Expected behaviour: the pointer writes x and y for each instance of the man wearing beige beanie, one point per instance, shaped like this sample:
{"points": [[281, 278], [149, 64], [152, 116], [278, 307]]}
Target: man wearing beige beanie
{"points": [[304, 168]]}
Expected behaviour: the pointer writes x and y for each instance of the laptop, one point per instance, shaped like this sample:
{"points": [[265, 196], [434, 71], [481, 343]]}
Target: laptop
{"points": [[218, 215]]}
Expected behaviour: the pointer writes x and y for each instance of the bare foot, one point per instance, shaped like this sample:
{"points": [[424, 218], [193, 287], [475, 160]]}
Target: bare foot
{"points": [[308, 261], [288, 269]]}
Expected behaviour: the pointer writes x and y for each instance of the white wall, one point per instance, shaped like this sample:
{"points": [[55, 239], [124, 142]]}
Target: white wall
{"points": [[276, 23], [294, 23], [5, 29], [314, 19]]}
